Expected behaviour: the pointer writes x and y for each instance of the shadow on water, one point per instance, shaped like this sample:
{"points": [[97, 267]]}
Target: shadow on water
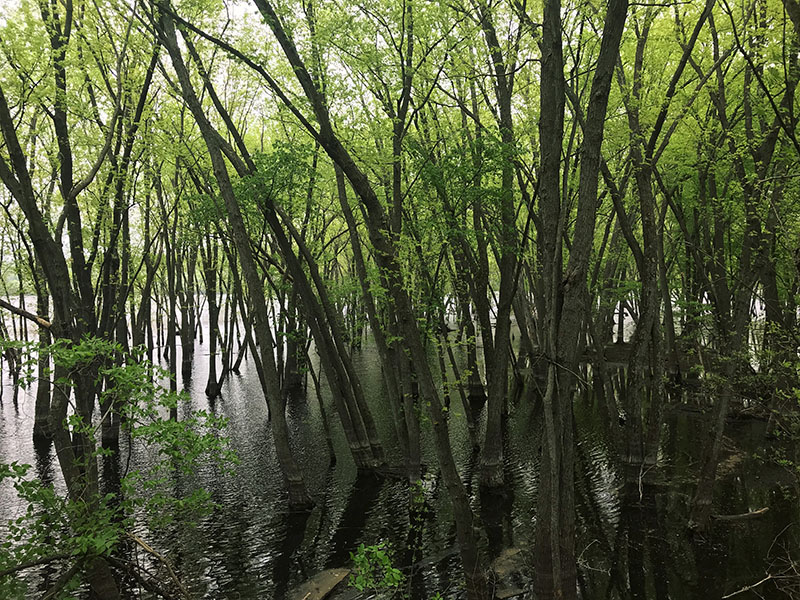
{"points": [[495, 514], [361, 502], [288, 557], [44, 460]]}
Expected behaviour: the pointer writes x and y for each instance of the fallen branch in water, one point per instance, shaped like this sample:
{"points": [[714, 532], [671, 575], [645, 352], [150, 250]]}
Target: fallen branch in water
{"points": [[741, 517], [184, 592], [40, 321], [151, 585]]}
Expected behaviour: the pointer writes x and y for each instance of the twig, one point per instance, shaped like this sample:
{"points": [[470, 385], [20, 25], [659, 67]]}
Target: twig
{"points": [[742, 516], [642, 473], [151, 585], [585, 564], [748, 587]]}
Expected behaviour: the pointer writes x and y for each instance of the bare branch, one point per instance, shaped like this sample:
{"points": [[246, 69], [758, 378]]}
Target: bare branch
{"points": [[747, 588]]}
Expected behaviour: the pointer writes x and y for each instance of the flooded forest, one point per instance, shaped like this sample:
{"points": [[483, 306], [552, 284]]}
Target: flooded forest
{"points": [[399, 299]]}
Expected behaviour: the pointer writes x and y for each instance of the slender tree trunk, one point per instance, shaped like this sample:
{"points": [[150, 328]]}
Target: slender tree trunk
{"points": [[41, 429], [209, 256], [491, 473]]}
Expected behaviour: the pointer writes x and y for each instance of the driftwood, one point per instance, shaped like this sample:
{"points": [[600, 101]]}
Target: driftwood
{"points": [[742, 517], [320, 585]]}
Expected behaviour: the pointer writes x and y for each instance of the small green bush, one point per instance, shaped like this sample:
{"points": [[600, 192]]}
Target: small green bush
{"points": [[373, 569]]}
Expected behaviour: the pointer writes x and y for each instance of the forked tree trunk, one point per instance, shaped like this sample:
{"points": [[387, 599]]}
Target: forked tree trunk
{"points": [[565, 298]]}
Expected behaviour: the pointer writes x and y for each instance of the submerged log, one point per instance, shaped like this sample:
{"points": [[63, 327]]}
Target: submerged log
{"points": [[508, 574], [509, 562], [504, 594]]}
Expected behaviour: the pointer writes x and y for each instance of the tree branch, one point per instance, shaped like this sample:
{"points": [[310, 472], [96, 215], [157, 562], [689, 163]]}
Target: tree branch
{"points": [[33, 563], [40, 321]]}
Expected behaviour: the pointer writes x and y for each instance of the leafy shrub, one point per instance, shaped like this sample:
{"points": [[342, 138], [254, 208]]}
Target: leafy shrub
{"points": [[373, 569]]}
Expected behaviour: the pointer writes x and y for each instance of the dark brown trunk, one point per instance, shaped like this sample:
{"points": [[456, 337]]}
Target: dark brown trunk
{"points": [[41, 429], [209, 256], [186, 294], [565, 298]]}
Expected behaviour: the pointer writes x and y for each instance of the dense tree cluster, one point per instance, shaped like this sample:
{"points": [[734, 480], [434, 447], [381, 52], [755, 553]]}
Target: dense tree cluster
{"points": [[614, 183]]}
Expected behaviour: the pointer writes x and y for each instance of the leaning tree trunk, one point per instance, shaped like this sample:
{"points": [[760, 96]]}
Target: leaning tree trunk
{"points": [[298, 496]]}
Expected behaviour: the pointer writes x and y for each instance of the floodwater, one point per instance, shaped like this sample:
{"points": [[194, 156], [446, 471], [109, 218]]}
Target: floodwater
{"points": [[632, 540]]}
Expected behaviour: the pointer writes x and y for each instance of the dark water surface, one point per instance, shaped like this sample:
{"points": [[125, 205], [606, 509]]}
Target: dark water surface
{"points": [[633, 542]]}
